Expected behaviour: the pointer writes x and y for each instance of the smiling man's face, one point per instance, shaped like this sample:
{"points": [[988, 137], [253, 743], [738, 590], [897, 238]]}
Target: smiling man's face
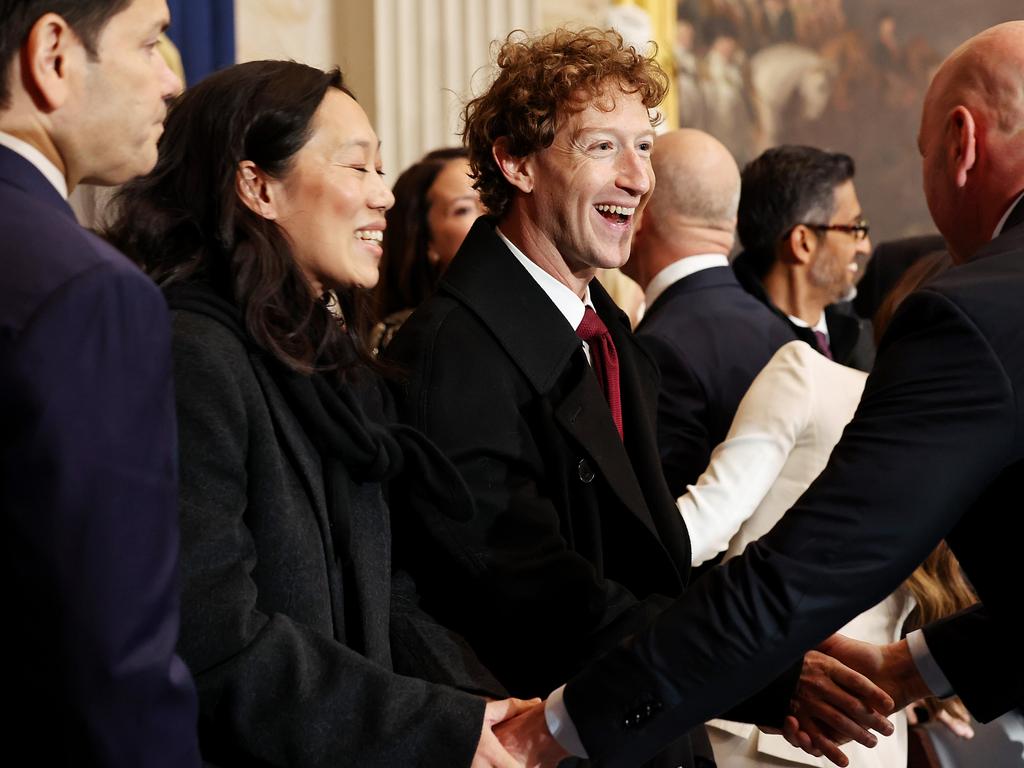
{"points": [[593, 180]]}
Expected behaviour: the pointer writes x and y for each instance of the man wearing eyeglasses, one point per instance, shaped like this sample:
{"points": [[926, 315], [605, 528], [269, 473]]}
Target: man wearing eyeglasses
{"points": [[806, 244]]}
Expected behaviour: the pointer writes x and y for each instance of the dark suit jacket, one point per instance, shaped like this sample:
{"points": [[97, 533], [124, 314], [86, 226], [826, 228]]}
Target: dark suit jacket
{"points": [[887, 265], [295, 639], [850, 338], [710, 338], [87, 495], [576, 541], [936, 449]]}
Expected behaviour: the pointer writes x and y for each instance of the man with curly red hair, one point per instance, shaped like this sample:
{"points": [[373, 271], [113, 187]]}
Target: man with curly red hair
{"points": [[576, 542], [526, 374]]}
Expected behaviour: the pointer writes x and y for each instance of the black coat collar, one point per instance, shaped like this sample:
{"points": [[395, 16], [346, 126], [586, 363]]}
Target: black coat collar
{"points": [[488, 279]]}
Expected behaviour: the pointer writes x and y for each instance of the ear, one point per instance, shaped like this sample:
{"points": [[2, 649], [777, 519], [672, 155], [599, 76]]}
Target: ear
{"points": [[799, 246], [257, 190], [48, 55], [961, 132], [517, 171]]}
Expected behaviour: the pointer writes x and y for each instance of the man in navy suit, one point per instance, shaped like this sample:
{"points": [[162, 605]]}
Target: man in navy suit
{"points": [[709, 337], [87, 430], [935, 449]]}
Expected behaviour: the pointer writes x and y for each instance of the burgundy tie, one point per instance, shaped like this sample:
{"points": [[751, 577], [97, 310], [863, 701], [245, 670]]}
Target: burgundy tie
{"points": [[604, 359], [822, 340]]}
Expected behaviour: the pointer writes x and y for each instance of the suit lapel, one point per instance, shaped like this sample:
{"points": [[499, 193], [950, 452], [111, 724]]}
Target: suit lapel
{"points": [[584, 416], [640, 382], [843, 332], [488, 279]]}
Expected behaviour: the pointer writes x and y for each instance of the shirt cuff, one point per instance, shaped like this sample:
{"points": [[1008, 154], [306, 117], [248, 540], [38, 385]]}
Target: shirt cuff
{"points": [[561, 725], [927, 667]]}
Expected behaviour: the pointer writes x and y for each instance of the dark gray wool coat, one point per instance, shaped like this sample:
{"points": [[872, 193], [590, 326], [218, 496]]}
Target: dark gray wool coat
{"points": [[297, 647]]}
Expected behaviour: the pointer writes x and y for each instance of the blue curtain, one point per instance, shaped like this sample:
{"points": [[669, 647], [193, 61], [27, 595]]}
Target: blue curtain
{"points": [[204, 32]]}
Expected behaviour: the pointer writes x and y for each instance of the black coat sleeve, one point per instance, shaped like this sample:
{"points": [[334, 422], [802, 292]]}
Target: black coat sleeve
{"points": [[272, 688], [899, 480]]}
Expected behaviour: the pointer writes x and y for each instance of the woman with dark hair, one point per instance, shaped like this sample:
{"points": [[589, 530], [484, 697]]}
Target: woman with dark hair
{"points": [[262, 221], [435, 206]]}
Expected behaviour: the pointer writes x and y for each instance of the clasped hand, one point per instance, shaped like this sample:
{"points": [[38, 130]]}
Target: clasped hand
{"points": [[845, 689]]}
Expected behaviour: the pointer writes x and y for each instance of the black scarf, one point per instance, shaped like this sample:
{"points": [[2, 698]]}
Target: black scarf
{"points": [[349, 442]]}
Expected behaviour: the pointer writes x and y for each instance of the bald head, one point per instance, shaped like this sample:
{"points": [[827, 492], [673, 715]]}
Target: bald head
{"points": [[698, 181], [972, 137], [693, 208]]}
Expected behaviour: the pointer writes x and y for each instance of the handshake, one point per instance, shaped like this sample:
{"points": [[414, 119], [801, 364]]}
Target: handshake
{"points": [[845, 691]]}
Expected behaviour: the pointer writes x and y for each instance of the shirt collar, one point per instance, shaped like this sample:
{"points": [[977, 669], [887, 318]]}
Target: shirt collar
{"points": [[677, 270], [561, 295], [38, 159], [821, 325], [1002, 222]]}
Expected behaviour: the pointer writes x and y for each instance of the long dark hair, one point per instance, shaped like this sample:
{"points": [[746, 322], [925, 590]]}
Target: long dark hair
{"points": [[407, 276], [185, 220]]}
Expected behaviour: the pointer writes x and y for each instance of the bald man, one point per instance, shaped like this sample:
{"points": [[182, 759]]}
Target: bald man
{"points": [[709, 336], [936, 449]]}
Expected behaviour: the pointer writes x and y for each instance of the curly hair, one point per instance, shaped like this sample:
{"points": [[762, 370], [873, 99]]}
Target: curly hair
{"points": [[541, 81]]}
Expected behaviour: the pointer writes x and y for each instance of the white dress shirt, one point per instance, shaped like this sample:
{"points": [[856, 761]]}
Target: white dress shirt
{"points": [[1002, 222], [561, 295], [39, 160], [677, 270], [821, 325]]}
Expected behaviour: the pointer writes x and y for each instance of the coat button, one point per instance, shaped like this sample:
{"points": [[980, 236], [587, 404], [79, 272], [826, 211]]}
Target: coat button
{"points": [[584, 471]]}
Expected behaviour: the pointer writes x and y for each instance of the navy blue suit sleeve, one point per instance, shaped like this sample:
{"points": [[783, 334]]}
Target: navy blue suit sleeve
{"points": [[898, 481], [683, 439], [89, 479]]}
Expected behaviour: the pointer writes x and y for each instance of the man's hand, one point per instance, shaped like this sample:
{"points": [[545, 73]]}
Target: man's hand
{"points": [[890, 666], [528, 739], [833, 704], [489, 751]]}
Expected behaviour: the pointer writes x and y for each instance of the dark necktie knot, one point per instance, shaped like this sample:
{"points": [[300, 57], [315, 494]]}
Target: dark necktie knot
{"points": [[823, 345], [604, 359], [591, 326]]}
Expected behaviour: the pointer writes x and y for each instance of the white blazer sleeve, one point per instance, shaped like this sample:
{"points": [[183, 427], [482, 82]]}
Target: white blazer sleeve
{"points": [[768, 422]]}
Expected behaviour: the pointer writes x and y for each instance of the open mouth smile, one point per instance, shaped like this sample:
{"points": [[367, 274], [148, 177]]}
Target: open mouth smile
{"points": [[618, 214]]}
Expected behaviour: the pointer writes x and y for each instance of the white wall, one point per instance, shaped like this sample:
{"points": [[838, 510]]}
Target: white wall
{"points": [[411, 63]]}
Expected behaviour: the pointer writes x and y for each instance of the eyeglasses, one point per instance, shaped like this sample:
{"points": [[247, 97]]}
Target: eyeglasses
{"points": [[859, 230]]}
